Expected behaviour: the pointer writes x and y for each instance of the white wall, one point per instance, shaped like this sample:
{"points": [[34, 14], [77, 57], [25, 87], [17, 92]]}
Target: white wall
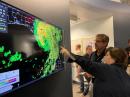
{"points": [[91, 28]]}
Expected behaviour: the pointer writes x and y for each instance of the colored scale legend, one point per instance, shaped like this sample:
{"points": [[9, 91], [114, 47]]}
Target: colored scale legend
{"points": [[7, 81], [9, 78]]}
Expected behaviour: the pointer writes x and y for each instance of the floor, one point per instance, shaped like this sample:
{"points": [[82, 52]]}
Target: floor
{"points": [[76, 89]]}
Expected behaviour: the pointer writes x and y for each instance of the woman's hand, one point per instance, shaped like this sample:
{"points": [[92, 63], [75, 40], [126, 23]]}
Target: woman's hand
{"points": [[65, 52]]}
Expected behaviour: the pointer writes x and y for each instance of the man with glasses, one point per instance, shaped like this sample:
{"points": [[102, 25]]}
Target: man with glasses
{"points": [[101, 43]]}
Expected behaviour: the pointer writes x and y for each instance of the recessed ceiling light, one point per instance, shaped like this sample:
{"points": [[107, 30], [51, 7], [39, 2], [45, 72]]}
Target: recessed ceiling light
{"points": [[116, 1]]}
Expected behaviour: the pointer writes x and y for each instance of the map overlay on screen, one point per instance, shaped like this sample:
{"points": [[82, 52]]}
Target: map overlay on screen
{"points": [[29, 48]]}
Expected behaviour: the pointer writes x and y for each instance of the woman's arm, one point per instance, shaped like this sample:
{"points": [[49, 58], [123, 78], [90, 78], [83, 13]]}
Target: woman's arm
{"points": [[94, 68]]}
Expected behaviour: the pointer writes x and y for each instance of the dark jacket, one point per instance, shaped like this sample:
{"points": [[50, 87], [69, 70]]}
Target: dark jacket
{"points": [[97, 58], [128, 50], [129, 60], [111, 80]]}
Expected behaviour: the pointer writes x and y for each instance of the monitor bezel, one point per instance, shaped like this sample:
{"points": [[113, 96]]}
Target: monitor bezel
{"points": [[34, 81]]}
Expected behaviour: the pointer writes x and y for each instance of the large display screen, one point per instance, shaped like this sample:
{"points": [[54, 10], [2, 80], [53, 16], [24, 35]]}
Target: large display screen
{"points": [[29, 48]]}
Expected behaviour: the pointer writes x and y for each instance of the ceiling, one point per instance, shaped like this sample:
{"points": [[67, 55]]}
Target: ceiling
{"points": [[87, 10], [79, 14]]}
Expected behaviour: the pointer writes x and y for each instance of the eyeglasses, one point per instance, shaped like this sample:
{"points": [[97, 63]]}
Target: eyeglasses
{"points": [[98, 41]]}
